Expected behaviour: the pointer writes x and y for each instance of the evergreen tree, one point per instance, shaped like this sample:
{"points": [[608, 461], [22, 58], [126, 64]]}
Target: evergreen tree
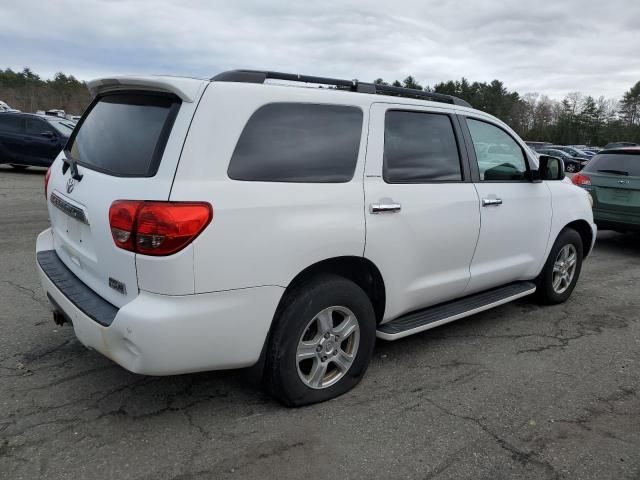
{"points": [[574, 120], [630, 106], [411, 82]]}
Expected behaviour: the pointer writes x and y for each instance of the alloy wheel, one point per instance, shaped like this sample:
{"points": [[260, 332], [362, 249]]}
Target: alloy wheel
{"points": [[328, 347], [564, 268]]}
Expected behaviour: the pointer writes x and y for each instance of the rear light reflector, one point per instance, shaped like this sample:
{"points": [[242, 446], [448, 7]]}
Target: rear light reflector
{"points": [[157, 228], [580, 179], [47, 176]]}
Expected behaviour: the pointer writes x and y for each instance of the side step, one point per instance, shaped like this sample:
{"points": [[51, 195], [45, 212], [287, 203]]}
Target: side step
{"points": [[448, 312]]}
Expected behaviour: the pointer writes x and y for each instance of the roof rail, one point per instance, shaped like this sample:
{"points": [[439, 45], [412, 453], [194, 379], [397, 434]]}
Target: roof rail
{"points": [[259, 76]]}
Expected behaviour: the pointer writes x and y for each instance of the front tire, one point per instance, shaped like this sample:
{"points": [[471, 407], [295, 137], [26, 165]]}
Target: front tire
{"points": [[322, 343], [562, 269]]}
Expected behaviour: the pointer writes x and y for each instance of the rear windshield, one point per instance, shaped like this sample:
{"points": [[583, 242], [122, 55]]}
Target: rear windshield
{"points": [[125, 134], [616, 164]]}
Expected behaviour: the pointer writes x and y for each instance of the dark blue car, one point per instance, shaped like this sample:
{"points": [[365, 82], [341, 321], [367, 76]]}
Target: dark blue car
{"points": [[32, 140]]}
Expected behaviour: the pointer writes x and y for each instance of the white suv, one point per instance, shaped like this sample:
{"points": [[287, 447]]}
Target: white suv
{"points": [[200, 225]]}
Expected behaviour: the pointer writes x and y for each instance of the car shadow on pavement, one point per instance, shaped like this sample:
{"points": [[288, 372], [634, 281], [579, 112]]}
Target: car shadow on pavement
{"points": [[23, 171], [618, 243]]}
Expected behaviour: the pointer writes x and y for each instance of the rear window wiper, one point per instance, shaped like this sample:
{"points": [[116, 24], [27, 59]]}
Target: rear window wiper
{"points": [[615, 172], [69, 162]]}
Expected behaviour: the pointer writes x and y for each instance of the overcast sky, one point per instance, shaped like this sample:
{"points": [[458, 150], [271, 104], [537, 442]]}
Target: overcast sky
{"points": [[550, 47]]}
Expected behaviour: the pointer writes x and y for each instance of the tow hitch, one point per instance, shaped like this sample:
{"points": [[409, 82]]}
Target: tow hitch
{"points": [[59, 317]]}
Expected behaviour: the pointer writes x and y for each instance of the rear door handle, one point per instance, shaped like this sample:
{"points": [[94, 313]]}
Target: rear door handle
{"points": [[491, 202], [385, 207]]}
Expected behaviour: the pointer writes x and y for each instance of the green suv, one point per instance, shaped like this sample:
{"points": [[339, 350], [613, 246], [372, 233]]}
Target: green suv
{"points": [[612, 178]]}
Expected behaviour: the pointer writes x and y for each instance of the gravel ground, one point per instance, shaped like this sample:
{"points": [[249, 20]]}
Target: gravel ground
{"points": [[517, 392]]}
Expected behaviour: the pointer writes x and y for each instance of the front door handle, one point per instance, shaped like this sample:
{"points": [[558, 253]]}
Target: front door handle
{"points": [[491, 202], [385, 207]]}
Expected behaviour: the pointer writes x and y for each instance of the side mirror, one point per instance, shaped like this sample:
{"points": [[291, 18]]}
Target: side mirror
{"points": [[48, 134], [551, 168]]}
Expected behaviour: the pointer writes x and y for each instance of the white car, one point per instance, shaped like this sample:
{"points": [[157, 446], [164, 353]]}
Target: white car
{"points": [[201, 225], [4, 107]]}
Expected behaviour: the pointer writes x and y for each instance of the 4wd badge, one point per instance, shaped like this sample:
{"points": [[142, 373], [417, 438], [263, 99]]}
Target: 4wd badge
{"points": [[118, 286]]}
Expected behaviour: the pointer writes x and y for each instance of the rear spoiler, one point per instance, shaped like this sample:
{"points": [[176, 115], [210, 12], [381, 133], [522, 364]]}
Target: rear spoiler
{"points": [[187, 89]]}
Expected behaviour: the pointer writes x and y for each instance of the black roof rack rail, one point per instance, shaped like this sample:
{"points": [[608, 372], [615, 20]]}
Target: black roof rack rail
{"points": [[259, 76]]}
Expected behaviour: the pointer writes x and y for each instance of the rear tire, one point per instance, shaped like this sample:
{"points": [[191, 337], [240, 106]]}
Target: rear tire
{"points": [[322, 342], [562, 269]]}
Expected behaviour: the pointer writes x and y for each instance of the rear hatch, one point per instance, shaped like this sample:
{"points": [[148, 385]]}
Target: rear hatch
{"points": [[126, 146], [615, 183]]}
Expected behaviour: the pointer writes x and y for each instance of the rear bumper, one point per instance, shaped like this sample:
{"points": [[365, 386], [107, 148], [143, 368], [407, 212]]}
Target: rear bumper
{"points": [[616, 221], [619, 226], [164, 335]]}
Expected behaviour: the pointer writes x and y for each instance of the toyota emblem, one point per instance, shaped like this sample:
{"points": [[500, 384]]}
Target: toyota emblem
{"points": [[70, 184]]}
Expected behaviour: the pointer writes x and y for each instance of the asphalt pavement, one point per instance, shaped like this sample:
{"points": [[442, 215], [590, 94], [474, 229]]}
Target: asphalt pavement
{"points": [[521, 391]]}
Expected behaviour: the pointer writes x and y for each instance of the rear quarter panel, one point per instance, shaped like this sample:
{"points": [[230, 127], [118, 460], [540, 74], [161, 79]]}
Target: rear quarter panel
{"points": [[263, 233]]}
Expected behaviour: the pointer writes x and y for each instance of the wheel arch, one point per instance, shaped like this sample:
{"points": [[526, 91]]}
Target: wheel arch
{"points": [[586, 234], [360, 270]]}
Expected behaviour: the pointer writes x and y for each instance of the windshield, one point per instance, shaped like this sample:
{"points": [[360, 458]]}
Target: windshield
{"points": [[616, 164], [124, 134], [62, 127], [557, 153]]}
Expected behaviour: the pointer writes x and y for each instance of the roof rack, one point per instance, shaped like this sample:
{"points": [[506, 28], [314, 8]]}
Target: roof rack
{"points": [[259, 76]]}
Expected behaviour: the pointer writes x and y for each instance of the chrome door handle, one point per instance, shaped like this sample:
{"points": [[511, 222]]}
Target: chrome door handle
{"points": [[491, 202], [384, 207]]}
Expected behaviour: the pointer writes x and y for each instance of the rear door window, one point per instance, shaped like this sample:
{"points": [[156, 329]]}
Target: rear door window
{"points": [[11, 123], [124, 134], [615, 164], [419, 148], [298, 142], [35, 126]]}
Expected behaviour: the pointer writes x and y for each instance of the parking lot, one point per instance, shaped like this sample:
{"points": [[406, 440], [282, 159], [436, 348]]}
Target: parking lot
{"points": [[516, 392]]}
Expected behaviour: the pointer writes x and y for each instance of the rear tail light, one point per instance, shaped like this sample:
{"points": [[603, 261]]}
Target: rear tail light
{"points": [[46, 181], [580, 179], [157, 228]]}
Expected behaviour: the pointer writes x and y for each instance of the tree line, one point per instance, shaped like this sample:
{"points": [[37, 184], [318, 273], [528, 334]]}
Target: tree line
{"points": [[28, 92], [576, 119]]}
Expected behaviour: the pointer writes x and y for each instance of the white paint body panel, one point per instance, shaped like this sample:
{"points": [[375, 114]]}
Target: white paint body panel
{"points": [[188, 89], [263, 233], [569, 203], [424, 250], [167, 335], [513, 236]]}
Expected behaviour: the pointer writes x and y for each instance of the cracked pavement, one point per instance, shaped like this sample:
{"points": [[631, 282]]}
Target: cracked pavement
{"points": [[518, 392]]}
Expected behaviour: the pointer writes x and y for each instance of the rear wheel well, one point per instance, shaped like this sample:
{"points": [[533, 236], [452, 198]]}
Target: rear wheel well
{"points": [[586, 234], [359, 270]]}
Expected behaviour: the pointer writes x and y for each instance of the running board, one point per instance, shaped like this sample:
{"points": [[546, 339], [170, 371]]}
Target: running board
{"points": [[432, 317]]}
